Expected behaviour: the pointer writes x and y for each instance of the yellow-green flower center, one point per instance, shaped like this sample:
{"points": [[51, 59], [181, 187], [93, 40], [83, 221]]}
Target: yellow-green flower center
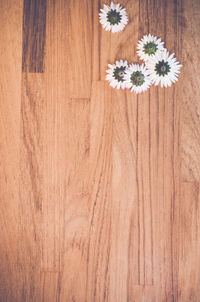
{"points": [[113, 17], [137, 78], [150, 48]]}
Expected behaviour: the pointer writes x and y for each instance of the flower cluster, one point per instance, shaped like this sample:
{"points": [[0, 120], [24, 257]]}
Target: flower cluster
{"points": [[163, 67], [134, 77], [159, 66]]}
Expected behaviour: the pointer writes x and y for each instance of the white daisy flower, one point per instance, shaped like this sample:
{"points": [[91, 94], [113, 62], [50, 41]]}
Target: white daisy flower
{"points": [[137, 78], [116, 74], [149, 46], [113, 18], [164, 69]]}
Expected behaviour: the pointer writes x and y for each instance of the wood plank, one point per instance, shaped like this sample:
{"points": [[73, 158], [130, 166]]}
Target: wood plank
{"points": [[76, 207], [34, 35], [157, 186], [143, 169], [189, 253], [172, 38], [31, 181], [100, 205], [125, 237], [69, 28], [190, 23], [10, 99]]}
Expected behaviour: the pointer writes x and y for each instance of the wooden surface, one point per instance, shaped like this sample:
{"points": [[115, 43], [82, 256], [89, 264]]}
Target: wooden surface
{"points": [[99, 189]]}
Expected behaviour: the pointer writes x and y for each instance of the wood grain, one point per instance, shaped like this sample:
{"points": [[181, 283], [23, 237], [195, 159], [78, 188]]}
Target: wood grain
{"points": [[191, 106], [34, 35], [189, 277], [31, 181], [11, 258], [99, 187], [69, 28]]}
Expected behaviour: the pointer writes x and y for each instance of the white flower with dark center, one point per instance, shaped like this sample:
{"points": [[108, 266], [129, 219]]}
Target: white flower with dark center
{"points": [[149, 46], [164, 69], [116, 74], [113, 18], [137, 78]]}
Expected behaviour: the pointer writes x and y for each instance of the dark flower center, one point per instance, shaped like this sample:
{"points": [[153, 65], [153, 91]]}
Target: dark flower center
{"points": [[162, 68], [119, 73], [137, 78], [150, 48], [113, 17]]}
